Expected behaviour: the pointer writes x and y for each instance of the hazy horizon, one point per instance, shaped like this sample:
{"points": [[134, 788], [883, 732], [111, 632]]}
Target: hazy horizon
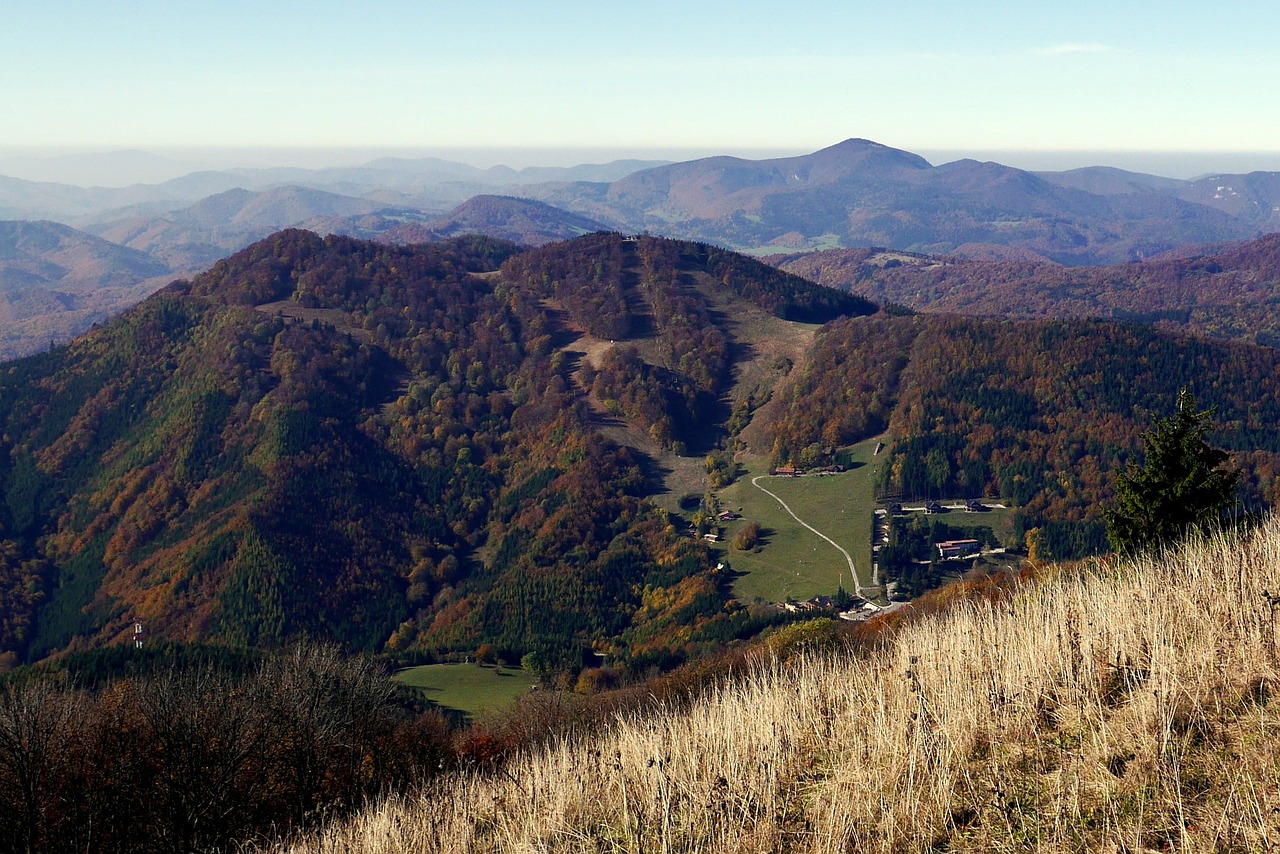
{"points": [[148, 165]]}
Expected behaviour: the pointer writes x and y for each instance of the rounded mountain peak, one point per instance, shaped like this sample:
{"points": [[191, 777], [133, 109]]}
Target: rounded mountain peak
{"points": [[864, 151]]}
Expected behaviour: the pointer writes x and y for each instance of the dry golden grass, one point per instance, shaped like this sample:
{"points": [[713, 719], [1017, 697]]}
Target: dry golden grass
{"points": [[1113, 709]]}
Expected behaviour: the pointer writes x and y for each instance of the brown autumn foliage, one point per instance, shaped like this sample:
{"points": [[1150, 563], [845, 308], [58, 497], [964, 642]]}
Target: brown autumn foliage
{"points": [[1040, 413], [1227, 294], [200, 758]]}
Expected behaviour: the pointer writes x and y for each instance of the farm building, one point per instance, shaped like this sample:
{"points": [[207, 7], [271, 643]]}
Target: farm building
{"points": [[958, 548]]}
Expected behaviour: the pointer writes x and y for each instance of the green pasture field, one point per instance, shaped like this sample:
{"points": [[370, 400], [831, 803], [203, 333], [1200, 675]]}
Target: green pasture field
{"points": [[793, 562], [1000, 521], [469, 688]]}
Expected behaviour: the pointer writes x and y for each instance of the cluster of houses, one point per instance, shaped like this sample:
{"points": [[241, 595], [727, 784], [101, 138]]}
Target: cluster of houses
{"points": [[862, 609], [714, 536], [867, 610], [792, 471], [932, 508], [817, 603]]}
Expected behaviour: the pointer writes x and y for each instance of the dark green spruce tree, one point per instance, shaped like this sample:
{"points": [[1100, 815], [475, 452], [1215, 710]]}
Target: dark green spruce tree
{"points": [[1181, 486]]}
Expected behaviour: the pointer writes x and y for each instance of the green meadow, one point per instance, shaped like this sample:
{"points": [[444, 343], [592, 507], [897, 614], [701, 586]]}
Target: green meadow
{"points": [[469, 688], [793, 562]]}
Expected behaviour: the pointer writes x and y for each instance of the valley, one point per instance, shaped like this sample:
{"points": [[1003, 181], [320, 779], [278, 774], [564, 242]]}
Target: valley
{"points": [[447, 439], [690, 428], [470, 689], [577, 457], [793, 563]]}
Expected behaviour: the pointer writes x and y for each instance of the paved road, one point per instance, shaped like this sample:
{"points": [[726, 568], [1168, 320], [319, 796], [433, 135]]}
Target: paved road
{"points": [[755, 481]]}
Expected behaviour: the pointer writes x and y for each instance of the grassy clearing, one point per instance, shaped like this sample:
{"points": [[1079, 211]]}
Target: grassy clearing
{"points": [[1102, 708], [793, 562], [813, 244], [468, 688], [1000, 521]]}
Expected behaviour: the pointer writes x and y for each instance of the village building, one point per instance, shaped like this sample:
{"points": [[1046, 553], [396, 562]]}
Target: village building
{"points": [[952, 549], [867, 610]]}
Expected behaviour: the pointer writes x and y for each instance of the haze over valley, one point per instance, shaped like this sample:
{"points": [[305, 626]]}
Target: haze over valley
{"points": [[854, 194]]}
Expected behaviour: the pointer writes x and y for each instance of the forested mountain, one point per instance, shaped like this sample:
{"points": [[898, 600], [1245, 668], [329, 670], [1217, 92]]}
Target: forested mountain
{"points": [[1040, 413], [1231, 293], [424, 449], [861, 193], [378, 445]]}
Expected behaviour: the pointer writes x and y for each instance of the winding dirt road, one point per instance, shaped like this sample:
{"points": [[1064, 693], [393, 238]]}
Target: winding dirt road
{"points": [[755, 481]]}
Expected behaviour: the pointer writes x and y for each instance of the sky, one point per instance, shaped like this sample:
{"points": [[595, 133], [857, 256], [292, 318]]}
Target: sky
{"points": [[731, 77]]}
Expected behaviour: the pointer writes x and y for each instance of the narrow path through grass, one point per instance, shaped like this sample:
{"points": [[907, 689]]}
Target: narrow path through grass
{"points": [[853, 572]]}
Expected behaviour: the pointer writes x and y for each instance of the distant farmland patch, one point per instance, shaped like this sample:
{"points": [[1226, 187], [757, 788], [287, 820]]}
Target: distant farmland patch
{"points": [[468, 688]]}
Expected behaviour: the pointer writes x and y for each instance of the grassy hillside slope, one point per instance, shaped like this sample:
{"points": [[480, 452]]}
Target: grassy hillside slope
{"points": [[1123, 707]]}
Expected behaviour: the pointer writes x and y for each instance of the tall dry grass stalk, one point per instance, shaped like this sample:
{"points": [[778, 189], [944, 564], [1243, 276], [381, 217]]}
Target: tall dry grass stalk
{"points": [[1115, 709]]}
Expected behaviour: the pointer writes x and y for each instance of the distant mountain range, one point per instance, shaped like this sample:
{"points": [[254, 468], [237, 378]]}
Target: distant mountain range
{"points": [[854, 194], [1227, 291], [429, 184], [860, 193], [56, 281], [522, 221], [192, 238]]}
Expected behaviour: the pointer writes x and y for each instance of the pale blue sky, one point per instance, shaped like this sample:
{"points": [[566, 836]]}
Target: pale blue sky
{"points": [[1171, 76]]}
